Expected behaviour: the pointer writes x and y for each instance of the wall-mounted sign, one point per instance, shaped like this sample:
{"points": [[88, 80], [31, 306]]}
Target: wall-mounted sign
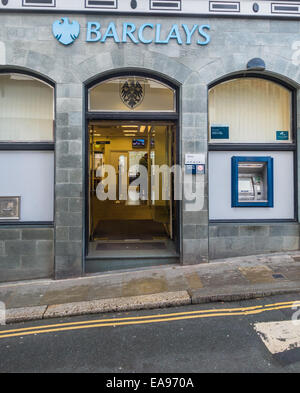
{"points": [[195, 164], [219, 132], [282, 135], [194, 159], [10, 208], [195, 169], [66, 32]]}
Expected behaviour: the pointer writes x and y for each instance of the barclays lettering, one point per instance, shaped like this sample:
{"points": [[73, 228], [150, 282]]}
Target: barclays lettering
{"points": [[147, 33], [66, 33]]}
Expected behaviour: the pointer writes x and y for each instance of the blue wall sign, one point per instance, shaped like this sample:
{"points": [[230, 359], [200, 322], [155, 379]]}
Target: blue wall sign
{"points": [[66, 32], [282, 135], [219, 132], [195, 169]]}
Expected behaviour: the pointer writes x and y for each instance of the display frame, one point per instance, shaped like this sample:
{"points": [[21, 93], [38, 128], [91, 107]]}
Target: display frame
{"points": [[16, 200], [235, 161]]}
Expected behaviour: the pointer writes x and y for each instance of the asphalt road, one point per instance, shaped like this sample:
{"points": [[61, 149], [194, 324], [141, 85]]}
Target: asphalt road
{"points": [[175, 340]]}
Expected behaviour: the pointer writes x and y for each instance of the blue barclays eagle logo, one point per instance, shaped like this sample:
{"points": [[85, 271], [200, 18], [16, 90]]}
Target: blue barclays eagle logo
{"points": [[65, 32]]}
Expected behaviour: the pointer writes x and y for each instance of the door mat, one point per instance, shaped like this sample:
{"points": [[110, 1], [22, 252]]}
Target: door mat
{"points": [[130, 246]]}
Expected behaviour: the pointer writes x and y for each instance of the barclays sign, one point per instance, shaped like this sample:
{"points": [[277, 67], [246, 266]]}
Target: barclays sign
{"points": [[66, 33]]}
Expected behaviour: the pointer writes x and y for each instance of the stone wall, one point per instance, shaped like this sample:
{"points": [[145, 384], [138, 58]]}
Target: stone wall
{"points": [[26, 253], [231, 240]]}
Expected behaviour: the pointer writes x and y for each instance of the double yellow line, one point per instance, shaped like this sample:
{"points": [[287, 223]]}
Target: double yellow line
{"points": [[141, 320]]}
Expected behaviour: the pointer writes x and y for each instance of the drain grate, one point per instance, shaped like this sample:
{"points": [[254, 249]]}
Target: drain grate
{"points": [[278, 276]]}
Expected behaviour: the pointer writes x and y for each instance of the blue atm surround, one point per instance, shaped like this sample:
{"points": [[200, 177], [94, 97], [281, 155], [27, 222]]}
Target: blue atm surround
{"points": [[234, 182]]}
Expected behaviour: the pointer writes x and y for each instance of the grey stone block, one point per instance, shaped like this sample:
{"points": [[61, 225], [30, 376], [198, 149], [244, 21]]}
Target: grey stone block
{"points": [[62, 147], [68, 266], [75, 176], [254, 230], [189, 231], [75, 119], [226, 247], [201, 231], [69, 133], [9, 263], [75, 147], [20, 247], [70, 248], [291, 243], [62, 204], [62, 119], [75, 234], [62, 176], [69, 161], [10, 234], [198, 217], [37, 234], [44, 248], [75, 205], [68, 219], [68, 190], [284, 230], [2, 250], [62, 234], [194, 251], [224, 230]]}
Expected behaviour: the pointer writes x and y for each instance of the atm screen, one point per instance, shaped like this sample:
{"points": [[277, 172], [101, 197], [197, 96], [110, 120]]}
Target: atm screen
{"points": [[138, 143]]}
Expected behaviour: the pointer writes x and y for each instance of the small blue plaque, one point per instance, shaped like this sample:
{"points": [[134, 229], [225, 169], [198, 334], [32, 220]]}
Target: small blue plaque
{"points": [[282, 135], [219, 132], [195, 169]]}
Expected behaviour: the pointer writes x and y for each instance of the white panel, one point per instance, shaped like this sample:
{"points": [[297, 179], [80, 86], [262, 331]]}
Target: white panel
{"points": [[220, 188], [286, 9], [31, 176]]}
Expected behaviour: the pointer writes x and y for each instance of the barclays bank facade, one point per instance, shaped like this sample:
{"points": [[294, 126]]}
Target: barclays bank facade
{"points": [[140, 133]]}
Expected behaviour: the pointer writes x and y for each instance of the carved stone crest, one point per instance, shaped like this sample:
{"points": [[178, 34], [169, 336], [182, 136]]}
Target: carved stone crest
{"points": [[132, 93]]}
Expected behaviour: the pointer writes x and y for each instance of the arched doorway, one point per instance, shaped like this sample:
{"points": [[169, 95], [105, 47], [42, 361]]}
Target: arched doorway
{"points": [[132, 146]]}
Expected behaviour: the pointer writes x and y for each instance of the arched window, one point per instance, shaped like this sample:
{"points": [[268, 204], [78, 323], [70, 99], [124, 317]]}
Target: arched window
{"points": [[26, 109], [251, 150], [132, 93], [26, 149], [250, 110]]}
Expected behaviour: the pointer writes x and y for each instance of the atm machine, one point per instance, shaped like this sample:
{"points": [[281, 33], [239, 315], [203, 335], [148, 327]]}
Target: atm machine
{"points": [[252, 181]]}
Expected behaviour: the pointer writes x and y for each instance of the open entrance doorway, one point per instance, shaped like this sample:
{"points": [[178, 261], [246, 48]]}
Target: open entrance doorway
{"points": [[134, 218]]}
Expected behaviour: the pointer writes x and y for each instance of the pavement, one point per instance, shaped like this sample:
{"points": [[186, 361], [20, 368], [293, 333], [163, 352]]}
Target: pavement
{"points": [[163, 286]]}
